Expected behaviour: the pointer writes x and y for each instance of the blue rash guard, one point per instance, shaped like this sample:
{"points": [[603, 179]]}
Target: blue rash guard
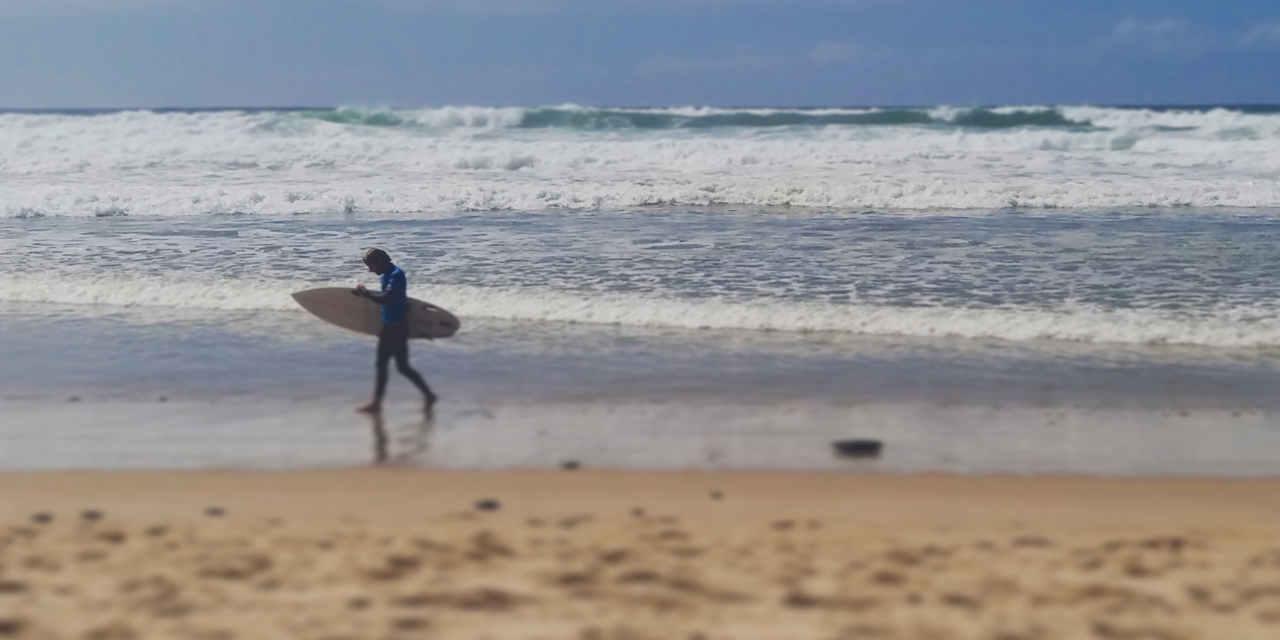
{"points": [[395, 289]]}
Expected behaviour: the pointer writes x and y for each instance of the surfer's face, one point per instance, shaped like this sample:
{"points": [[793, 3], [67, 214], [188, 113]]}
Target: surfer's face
{"points": [[376, 264]]}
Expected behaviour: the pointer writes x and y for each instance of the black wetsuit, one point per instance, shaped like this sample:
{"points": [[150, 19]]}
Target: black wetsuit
{"points": [[393, 342]]}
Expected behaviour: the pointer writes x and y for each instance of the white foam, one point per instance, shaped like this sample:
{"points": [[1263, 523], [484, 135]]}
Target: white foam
{"points": [[471, 159], [1247, 327]]}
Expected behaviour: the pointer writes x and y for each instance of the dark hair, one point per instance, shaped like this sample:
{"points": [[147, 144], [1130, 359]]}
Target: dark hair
{"points": [[376, 254]]}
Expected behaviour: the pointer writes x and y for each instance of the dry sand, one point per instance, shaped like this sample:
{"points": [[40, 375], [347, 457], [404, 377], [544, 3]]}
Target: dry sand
{"points": [[588, 555]]}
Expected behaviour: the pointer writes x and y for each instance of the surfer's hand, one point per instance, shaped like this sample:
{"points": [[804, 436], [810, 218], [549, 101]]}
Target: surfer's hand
{"points": [[360, 291]]}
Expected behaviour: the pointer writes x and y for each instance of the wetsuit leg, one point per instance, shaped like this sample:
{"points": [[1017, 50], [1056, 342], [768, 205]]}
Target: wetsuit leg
{"points": [[401, 352], [386, 349]]}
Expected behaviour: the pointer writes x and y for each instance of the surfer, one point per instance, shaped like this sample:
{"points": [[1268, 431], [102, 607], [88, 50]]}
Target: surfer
{"points": [[393, 338]]}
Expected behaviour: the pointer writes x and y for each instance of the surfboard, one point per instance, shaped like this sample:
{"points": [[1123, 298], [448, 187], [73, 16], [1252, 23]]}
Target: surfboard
{"points": [[337, 305]]}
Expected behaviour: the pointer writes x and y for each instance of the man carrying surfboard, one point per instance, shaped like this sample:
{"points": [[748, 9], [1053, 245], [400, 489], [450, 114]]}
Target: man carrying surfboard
{"points": [[393, 338]]}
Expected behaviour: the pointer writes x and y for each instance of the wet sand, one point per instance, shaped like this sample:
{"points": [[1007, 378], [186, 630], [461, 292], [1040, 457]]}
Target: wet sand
{"points": [[398, 553]]}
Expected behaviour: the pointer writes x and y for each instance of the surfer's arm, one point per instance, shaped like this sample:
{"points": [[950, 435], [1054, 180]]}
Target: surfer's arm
{"points": [[397, 291], [380, 298]]}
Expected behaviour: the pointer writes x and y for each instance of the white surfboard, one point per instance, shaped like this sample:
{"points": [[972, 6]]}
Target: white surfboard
{"points": [[337, 305]]}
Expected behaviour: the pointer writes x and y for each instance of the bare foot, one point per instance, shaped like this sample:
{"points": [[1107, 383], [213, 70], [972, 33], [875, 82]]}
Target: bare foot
{"points": [[428, 403], [374, 408]]}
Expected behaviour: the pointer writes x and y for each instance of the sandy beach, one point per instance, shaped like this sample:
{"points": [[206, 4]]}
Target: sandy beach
{"points": [[596, 555]]}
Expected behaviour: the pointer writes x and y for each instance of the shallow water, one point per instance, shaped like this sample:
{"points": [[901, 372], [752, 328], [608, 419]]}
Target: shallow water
{"points": [[1187, 277]]}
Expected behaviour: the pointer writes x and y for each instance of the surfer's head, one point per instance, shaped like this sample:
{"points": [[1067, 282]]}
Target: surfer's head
{"points": [[377, 260]]}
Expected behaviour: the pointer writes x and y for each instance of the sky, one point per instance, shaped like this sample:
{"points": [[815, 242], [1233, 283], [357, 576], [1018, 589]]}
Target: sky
{"points": [[422, 53]]}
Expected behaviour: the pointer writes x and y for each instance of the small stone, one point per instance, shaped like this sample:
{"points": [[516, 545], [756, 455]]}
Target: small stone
{"points": [[42, 518], [716, 495], [90, 515], [487, 505], [570, 465], [73, 399], [858, 448], [410, 624], [162, 399], [215, 512], [11, 626], [637, 512]]}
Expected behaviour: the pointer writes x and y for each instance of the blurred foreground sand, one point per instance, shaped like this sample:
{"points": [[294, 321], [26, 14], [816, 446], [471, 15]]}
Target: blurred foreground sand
{"points": [[585, 555]]}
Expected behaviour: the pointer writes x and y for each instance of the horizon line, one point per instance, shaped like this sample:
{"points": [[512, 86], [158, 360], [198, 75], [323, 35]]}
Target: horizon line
{"points": [[160, 109]]}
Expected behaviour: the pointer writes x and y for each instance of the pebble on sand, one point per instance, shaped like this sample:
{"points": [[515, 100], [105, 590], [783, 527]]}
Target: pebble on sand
{"points": [[570, 465], [858, 448], [90, 515], [42, 518], [487, 505], [215, 512]]}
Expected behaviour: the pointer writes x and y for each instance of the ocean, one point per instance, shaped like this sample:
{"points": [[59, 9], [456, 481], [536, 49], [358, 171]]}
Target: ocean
{"points": [[988, 290]]}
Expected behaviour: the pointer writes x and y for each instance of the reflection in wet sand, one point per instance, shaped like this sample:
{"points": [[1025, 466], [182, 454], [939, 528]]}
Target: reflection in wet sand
{"points": [[414, 444]]}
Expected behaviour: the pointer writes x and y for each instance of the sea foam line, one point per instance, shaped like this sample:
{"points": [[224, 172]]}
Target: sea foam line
{"points": [[1224, 328]]}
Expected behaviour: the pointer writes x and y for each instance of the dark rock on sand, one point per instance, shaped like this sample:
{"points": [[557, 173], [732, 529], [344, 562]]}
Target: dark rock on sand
{"points": [[487, 505], [858, 448]]}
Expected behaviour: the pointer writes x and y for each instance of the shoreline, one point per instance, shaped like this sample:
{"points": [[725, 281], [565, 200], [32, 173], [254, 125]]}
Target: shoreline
{"points": [[672, 433]]}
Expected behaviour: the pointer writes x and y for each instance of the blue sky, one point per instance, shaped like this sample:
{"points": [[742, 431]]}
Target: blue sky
{"points": [[149, 53]]}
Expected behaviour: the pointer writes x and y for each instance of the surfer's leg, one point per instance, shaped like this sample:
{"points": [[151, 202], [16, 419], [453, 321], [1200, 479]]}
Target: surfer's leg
{"points": [[402, 365], [385, 348]]}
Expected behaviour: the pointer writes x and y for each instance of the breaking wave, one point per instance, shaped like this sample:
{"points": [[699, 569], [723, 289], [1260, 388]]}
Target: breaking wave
{"points": [[575, 117], [173, 163]]}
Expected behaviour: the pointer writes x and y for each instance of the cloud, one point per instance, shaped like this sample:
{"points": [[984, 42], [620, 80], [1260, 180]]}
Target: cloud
{"points": [[1263, 36], [1168, 37]]}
